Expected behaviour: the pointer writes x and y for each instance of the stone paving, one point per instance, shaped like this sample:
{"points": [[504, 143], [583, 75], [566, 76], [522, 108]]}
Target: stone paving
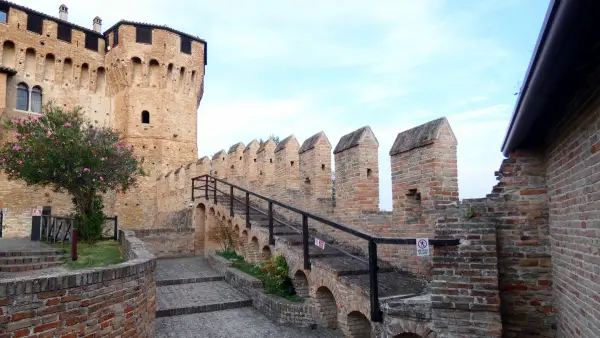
{"points": [[193, 301]]}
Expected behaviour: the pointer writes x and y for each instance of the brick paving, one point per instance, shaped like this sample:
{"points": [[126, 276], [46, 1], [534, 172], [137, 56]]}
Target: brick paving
{"points": [[193, 302]]}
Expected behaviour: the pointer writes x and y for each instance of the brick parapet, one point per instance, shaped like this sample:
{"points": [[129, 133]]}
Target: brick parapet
{"points": [[116, 300]]}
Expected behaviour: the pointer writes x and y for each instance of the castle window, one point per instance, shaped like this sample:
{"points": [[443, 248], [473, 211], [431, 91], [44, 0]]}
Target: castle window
{"points": [[4, 13], [115, 37], [34, 23], [91, 41], [64, 32], [22, 97], [36, 99], [186, 45], [143, 35], [145, 117]]}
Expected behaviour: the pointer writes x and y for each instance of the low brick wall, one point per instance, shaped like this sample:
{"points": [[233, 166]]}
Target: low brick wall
{"points": [[168, 242], [279, 310], [119, 300]]}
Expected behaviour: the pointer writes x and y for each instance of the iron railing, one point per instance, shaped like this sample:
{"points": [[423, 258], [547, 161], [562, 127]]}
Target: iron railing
{"points": [[208, 184], [1, 221], [58, 229]]}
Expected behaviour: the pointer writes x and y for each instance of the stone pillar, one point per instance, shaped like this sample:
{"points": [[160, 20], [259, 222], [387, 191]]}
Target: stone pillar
{"points": [[219, 164], [315, 168], [287, 166], [251, 163], [266, 165], [235, 163]]}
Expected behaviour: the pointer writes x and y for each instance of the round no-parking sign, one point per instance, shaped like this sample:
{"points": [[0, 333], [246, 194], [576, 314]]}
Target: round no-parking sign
{"points": [[422, 246]]}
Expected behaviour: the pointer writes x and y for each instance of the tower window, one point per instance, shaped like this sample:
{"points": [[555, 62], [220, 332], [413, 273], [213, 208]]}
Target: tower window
{"points": [[36, 99], [34, 23], [186, 45], [64, 32], [4, 13], [115, 37], [145, 117], [23, 97], [143, 35], [91, 41]]}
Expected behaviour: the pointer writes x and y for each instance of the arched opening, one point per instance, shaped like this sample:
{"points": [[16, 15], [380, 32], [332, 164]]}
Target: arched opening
{"points": [[136, 70], [326, 308], [181, 77], [300, 284], [49, 67], [30, 62], [244, 245], [357, 325], [154, 73], [145, 117], [210, 242], [170, 76], [36, 99], [265, 253], [101, 80], [22, 97], [84, 81], [67, 71], [407, 335], [254, 250], [199, 228], [8, 54]]}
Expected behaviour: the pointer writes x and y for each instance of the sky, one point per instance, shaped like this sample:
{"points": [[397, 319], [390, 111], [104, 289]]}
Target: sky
{"points": [[287, 67]]}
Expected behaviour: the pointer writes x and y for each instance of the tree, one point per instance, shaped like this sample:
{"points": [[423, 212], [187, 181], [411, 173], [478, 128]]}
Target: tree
{"points": [[63, 151], [272, 137]]}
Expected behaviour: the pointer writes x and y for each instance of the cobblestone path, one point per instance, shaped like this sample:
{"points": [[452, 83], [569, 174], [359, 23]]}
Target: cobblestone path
{"points": [[193, 301]]}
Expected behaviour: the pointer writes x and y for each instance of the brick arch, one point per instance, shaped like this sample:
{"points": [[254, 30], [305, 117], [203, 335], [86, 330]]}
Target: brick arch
{"points": [[301, 283], [356, 325], [265, 253], [244, 244], [200, 218], [254, 249], [326, 307], [413, 329]]}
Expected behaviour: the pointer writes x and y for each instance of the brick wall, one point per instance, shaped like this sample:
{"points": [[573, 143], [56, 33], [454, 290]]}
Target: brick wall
{"points": [[168, 242], [116, 301], [573, 180]]}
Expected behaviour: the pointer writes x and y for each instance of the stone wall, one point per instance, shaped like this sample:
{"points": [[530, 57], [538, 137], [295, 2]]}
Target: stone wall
{"points": [[168, 242], [119, 300]]}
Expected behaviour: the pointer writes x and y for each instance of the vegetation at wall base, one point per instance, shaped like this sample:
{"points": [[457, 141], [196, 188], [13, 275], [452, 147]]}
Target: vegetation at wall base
{"points": [[272, 273], [93, 254]]}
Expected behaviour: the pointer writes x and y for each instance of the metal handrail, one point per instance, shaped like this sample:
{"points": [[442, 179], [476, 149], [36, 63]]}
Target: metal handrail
{"points": [[376, 314]]}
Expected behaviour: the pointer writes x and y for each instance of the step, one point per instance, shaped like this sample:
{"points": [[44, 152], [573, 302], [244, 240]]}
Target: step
{"points": [[174, 300], [174, 271], [316, 252], [31, 253], [10, 260], [348, 266], [390, 284], [28, 267]]}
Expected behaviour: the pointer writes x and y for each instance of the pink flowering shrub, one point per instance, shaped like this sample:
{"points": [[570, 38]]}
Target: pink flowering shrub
{"points": [[61, 150]]}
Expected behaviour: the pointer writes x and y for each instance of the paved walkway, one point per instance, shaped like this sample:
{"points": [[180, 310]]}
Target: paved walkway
{"points": [[192, 301]]}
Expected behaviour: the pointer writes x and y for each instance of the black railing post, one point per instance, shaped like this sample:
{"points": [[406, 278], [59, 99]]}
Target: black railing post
{"points": [[231, 200], [215, 191], [74, 244], [271, 239], [206, 188], [193, 186], [248, 225], [305, 241], [376, 315], [1, 219], [116, 230]]}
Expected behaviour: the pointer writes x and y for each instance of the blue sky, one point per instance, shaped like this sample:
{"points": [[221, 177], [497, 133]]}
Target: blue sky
{"points": [[299, 67]]}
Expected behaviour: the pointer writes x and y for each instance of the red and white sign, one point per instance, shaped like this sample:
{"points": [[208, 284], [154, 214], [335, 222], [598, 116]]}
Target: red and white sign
{"points": [[36, 212], [422, 246], [319, 243]]}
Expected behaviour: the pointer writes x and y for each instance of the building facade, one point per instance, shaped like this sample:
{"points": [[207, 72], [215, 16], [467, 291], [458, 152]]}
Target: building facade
{"points": [[144, 80]]}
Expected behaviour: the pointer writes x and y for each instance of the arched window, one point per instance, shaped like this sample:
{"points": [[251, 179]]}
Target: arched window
{"points": [[36, 99], [145, 117], [22, 97]]}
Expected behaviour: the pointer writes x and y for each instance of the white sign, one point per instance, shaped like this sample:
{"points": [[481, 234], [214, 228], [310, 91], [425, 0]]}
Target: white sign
{"points": [[319, 243], [422, 247], [36, 212]]}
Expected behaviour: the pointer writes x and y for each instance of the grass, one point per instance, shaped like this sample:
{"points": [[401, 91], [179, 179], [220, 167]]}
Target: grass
{"points": [[255, 270], [89, 255]]}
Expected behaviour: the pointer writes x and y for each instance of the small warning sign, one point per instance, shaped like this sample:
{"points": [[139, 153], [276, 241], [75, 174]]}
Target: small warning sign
{"points": [[319, 243], [422, 247], [36, 212]]}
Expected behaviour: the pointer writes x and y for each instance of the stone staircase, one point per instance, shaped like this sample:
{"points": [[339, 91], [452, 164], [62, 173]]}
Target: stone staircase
{"points": [[349, 270], [192, 300], [21, 256]]}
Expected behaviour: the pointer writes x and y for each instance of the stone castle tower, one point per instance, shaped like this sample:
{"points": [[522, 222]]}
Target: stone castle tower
{"points": [[142, 79]]}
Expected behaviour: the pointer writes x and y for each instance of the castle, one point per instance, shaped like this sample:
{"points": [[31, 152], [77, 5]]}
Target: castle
{"points": [[142, 79]]}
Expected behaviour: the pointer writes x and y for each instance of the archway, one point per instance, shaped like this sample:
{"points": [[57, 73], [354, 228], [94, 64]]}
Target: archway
{"points": [[254, 250], [300, 283], [357, 325], [327, 311], [199, 228], [244, 245], [265, 253]]}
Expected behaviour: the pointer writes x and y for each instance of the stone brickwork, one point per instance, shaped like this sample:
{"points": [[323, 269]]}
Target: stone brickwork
{"points": [[168, 242], [114, 84], [114, 301]]}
